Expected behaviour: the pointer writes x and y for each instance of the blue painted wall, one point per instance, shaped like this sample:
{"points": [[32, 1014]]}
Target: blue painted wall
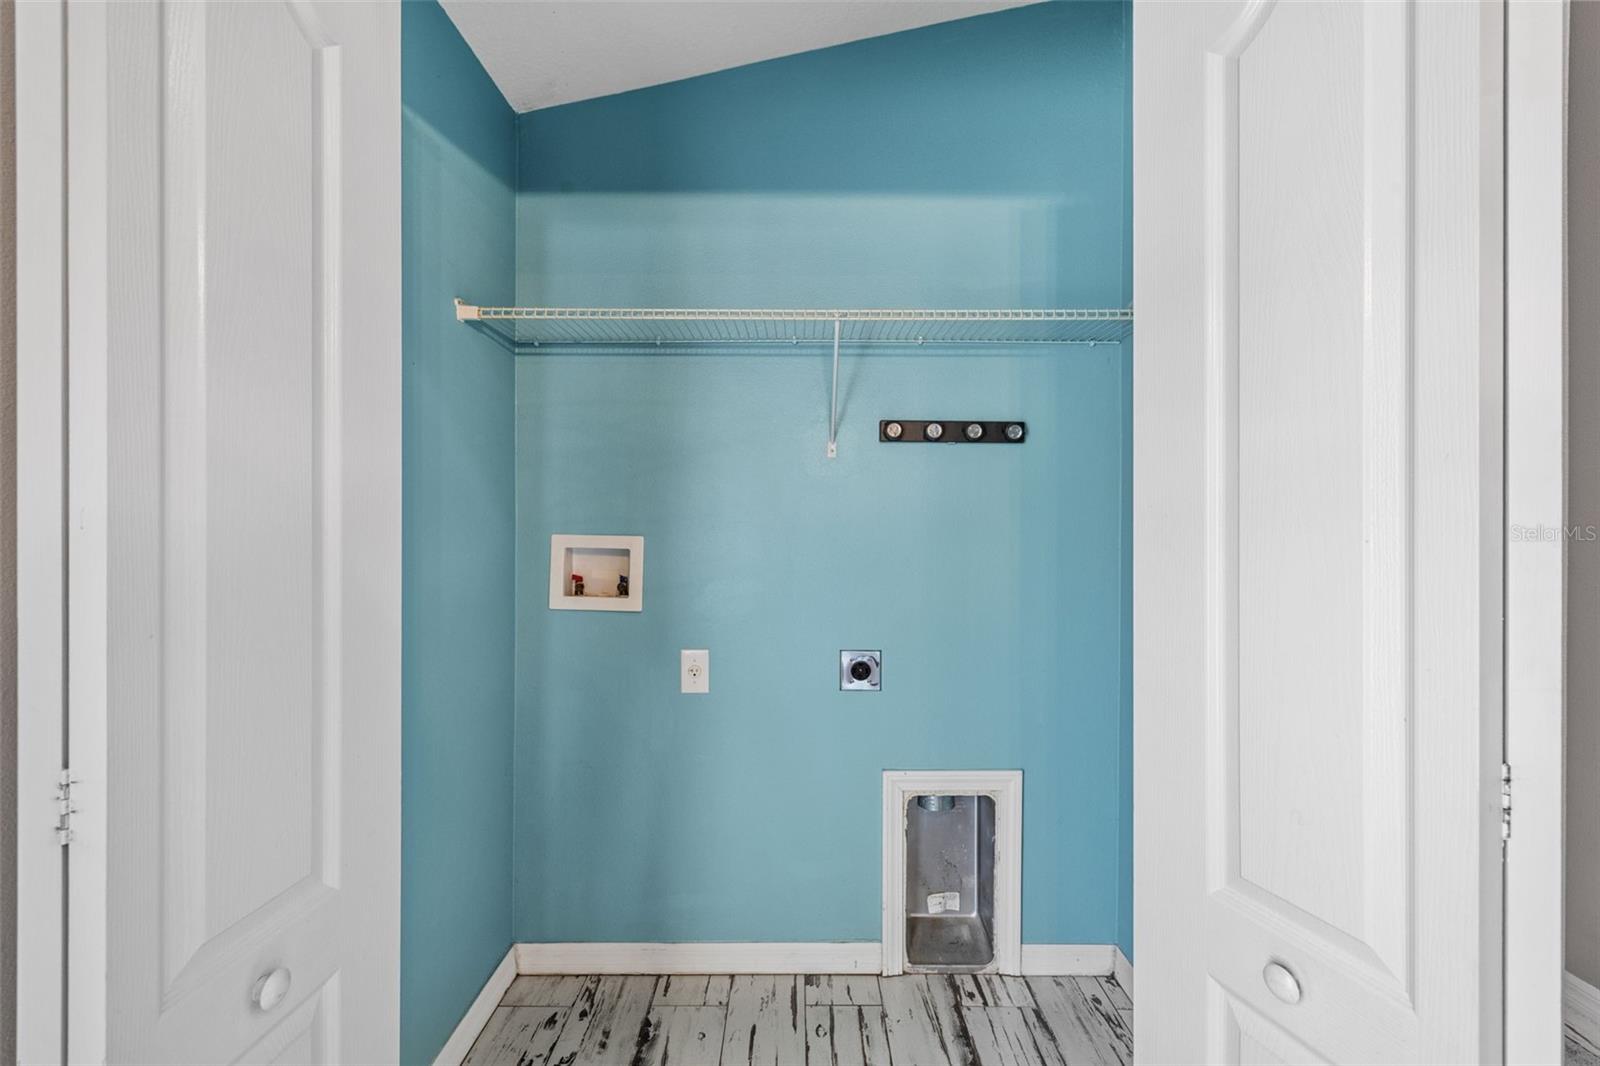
{"points": [[977, 163], [457, 220]]}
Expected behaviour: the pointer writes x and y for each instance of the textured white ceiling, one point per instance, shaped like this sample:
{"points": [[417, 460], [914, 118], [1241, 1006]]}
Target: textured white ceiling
{"points": [[542, 54]]}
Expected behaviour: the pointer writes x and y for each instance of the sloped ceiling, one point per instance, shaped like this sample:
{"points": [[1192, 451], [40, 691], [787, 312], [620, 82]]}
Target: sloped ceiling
{"points": [[543, 54]]}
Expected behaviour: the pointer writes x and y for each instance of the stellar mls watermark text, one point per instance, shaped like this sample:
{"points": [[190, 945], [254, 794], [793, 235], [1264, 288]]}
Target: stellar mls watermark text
{"points": [[1543, 534]]}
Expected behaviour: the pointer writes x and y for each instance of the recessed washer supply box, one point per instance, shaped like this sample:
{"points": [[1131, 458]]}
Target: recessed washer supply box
{"points": [[596, 573]]}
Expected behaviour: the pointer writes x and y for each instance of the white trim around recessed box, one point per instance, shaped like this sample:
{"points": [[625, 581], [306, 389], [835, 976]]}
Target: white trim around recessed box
{"points": [[1005, 788], [562, 543], [466, 1032], [836, 957]]}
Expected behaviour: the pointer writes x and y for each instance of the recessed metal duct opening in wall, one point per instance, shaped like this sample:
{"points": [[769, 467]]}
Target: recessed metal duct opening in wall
{"points": [[950, 883]]}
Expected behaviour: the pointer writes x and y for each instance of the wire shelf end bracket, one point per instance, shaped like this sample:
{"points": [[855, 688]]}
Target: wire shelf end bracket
{"points": [[833, 406]]}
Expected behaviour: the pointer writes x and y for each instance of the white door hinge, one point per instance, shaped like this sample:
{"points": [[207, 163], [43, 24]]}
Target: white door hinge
{"points": [[1505, 804], [64, 807]]}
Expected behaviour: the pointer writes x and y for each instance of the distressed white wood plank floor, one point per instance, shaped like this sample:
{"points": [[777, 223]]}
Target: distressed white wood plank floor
{"points": [[1106, 1014], [1580, 1052], [682, 1036], [543, 991], [817, 1020], [766, 1021], [517, 1034], [1001, 1036], [681, 990], [1081, 1033], [912, 1020], [846, 1036], [612, 1029], [853, 990]]}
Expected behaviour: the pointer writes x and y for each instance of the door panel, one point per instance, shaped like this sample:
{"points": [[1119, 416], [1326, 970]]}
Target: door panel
{"points": [[251, 158], [252, 568], [1319, 324], [1254, 1041], [297, 1039], [245, 609], [1313, 485], [1297, 140]]}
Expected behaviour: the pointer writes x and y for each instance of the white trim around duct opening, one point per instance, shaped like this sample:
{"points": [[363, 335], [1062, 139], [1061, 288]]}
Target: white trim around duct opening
{"points": [[1005, 788]]}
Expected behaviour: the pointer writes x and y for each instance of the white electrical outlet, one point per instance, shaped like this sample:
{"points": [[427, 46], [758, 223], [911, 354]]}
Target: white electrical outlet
{"points": [[694, 670]]}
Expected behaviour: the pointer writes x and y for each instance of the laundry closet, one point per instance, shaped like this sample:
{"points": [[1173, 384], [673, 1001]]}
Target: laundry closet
{"points": [[791, 533], [954, 199]]}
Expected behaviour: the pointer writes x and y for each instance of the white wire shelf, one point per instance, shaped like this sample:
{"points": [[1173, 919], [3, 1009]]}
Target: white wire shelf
{"points": [[535, 328]]}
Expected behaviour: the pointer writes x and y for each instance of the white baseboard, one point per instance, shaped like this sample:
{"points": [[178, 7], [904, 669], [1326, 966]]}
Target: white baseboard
{"points": [[455, 1049], [1122, 970], [1580, 1002], [840, 957], [1077, 960]]}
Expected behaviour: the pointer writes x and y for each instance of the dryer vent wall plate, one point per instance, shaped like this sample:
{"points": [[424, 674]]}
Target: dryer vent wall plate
{"points": [[860, 671]]}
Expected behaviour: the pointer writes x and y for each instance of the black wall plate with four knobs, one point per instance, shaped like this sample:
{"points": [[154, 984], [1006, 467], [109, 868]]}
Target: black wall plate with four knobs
{"points": [[951, 431]]}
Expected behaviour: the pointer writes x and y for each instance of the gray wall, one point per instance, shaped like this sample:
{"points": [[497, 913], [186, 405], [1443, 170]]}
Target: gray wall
{"points": [[1583, 497], [8, 546]]}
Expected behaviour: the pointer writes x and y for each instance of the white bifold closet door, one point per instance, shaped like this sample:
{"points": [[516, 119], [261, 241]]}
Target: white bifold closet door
{"points": [[1318, 531], [234, 357]]}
